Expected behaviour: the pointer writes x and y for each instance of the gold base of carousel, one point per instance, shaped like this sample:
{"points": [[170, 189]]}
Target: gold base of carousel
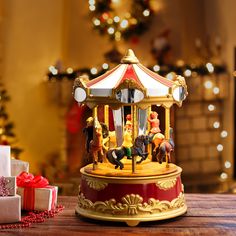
{"points": [[153, 192]]}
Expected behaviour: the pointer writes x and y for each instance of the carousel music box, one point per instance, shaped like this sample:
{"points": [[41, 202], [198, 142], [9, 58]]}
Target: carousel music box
{"points": [[131, 178]]}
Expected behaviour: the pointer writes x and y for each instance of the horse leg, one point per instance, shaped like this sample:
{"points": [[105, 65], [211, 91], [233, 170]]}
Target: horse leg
{"points": [[144, 157], [101, 155], [161, 154], [168, 152], [121, 165], [159, 157], [118, 164], [141, 154], [101, 151], [114, 157], [118, 160], [95, 160], [155, 149]]}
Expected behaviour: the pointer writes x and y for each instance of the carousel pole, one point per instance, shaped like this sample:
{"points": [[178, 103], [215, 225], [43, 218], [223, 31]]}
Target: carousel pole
{"points": [[167, 123], [134, 133], [95, 116], [106, 115], [95, 112], [149, 147], [167, 128], [135, 127], [106, 121]]}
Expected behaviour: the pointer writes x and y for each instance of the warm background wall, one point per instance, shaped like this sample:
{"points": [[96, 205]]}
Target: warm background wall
{"points": [[36, 34], [32, 40]]}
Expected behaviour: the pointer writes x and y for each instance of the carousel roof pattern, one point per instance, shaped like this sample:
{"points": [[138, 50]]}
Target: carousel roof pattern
{"points": [[130, 79], [154, 84]]}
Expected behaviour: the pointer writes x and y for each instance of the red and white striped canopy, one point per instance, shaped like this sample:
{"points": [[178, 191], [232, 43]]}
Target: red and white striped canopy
{"points": [[130, 82], [154, 84]]}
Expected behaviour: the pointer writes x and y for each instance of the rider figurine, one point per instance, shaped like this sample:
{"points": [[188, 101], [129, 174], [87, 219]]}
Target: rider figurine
{"points": [[127, 143], [128, 123], [155, 123]]}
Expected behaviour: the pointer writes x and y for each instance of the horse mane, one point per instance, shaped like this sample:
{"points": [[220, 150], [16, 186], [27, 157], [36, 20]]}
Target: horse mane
{"points": [[139, 140]]}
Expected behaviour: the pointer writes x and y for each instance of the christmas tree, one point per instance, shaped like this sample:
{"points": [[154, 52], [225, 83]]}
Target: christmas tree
{"points": [[7, 136]]}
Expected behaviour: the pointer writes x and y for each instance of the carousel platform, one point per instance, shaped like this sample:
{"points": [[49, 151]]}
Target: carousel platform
{"points": [[154, 192]]}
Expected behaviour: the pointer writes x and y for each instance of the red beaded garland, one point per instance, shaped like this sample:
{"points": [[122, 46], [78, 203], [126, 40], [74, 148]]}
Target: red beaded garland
{"points": [[33, 217]]}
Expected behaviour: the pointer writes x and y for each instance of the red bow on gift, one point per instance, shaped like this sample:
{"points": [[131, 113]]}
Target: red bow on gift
{"points": [[28, 180]]}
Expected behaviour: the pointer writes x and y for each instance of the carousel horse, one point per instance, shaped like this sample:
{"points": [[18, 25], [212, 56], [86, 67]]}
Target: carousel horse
{"points": [[96, 145], [89, 131], [115, 155], [165, 146]]}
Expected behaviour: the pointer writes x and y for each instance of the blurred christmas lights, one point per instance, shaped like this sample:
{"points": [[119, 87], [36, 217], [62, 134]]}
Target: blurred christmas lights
{"points": [[211, 107], [107, 21]]}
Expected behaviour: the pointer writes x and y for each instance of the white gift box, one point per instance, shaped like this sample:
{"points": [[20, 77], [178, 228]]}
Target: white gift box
{"points": [[10, 209], [18, 166], [39, 199], [5, 161]]}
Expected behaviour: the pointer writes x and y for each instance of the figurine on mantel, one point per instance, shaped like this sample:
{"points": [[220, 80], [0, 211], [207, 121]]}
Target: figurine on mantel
{"points": [[128, 186]]}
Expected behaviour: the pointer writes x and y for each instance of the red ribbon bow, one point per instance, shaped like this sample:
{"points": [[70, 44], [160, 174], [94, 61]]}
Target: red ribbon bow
{"points": [[28, 180]]}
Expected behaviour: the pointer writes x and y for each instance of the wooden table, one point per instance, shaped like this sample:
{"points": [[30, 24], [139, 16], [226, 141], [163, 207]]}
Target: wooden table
{"points": [[208, 214]]}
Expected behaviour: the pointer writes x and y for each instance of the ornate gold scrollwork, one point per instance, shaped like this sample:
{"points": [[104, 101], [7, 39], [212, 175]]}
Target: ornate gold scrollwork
{"points": [[180, 81], [95, 184], [131, 205], [129, 83], [166, 184]]}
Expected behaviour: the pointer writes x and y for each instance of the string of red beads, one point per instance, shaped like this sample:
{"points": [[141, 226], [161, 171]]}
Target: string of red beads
{"points": [[33, 217]]}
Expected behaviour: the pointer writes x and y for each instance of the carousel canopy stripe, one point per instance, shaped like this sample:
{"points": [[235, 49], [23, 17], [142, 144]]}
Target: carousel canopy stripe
{"points": [[154, 84], [155, 76], [154, 87], [110, 80], [130, 74], [98, 79]]}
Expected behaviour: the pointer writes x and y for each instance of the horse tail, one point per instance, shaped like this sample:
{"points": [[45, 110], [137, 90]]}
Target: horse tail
{"points": [[162, 152], [162, 148]]}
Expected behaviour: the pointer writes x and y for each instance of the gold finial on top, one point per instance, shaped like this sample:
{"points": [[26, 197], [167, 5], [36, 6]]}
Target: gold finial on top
{"points": [[129, 58]]}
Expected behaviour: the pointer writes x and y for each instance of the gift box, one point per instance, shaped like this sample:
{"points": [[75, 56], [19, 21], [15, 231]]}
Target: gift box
{"points": [[18, 167], [5, 161], [7, 186], [36, 193], [10, 209]]}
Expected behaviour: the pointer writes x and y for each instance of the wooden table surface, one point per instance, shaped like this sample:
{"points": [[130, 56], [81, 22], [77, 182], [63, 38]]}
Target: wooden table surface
{"points": [[208, 214]]}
